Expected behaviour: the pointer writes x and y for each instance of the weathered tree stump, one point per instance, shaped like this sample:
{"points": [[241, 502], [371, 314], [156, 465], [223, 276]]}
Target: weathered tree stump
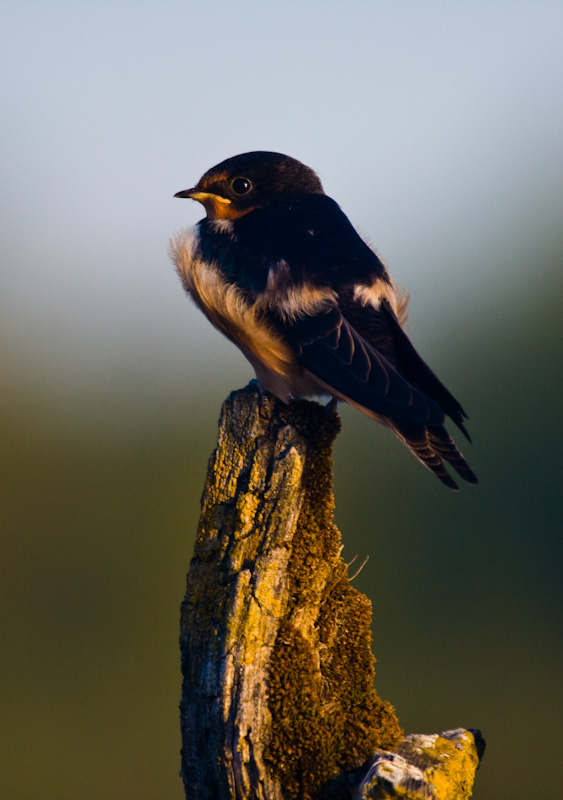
{"points": [[278, 699]]}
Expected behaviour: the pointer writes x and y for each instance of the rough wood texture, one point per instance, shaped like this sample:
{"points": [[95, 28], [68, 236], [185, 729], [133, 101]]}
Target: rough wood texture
{"points": [[439, 766], [278, 694]]}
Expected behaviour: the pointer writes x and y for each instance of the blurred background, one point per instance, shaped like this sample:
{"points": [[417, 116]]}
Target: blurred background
{"points": [[438, 127]]}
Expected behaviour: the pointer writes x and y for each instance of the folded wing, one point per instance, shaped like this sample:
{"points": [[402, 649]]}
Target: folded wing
{"points": [[406, 397]]}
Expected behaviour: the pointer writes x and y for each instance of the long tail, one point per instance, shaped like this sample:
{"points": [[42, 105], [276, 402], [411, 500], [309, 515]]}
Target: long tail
{"points": [[432, 446]]}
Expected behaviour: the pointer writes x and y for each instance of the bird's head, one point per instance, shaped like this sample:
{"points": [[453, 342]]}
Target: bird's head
{"points": [[249, 181]]}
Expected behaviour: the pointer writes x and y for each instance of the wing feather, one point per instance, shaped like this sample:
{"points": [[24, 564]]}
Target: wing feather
{"points": [[405, 395], [346, 362]]}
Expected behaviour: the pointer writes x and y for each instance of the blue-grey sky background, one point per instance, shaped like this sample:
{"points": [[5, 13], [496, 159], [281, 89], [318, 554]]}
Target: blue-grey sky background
{"points": [[438, 127]]}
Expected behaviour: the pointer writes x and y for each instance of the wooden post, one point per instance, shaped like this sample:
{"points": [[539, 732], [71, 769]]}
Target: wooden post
{"points": [[278, 699]]}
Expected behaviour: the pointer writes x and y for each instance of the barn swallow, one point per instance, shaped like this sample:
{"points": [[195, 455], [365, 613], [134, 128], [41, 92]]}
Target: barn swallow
{"points": [[279, 269]]}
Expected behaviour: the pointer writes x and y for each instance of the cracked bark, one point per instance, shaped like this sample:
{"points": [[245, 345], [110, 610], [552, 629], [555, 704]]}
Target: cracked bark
{"points": [[278, 699]]}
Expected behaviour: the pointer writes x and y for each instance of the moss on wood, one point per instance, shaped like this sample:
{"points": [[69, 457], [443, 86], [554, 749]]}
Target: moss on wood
{"points": [[278, 694]]}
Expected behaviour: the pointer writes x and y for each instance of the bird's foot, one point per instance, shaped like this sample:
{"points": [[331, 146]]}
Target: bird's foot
{"points": [[332, 405], [262, 393]]}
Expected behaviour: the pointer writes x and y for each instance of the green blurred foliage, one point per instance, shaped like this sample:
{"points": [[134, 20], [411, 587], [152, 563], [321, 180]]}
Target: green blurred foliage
{"points": [[98, 518]]}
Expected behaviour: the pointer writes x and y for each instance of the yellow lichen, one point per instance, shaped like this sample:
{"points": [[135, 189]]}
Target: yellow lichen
{"points": [[326, 714]]}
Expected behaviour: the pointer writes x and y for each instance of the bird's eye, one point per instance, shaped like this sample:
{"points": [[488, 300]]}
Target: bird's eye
{"points": [[241, 185]]}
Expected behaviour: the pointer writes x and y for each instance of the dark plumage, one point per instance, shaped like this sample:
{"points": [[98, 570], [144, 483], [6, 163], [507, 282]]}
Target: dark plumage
{"points": [[279, 269]]}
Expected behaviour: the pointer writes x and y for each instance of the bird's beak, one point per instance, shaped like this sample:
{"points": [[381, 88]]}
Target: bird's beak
{"points": [[202, 197], [186, 193]]}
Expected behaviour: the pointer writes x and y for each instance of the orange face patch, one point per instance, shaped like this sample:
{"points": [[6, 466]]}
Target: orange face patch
{"points": [[218, 207]]}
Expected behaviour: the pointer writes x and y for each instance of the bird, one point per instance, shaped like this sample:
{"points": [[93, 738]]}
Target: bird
{"points": [[279, 269]]}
